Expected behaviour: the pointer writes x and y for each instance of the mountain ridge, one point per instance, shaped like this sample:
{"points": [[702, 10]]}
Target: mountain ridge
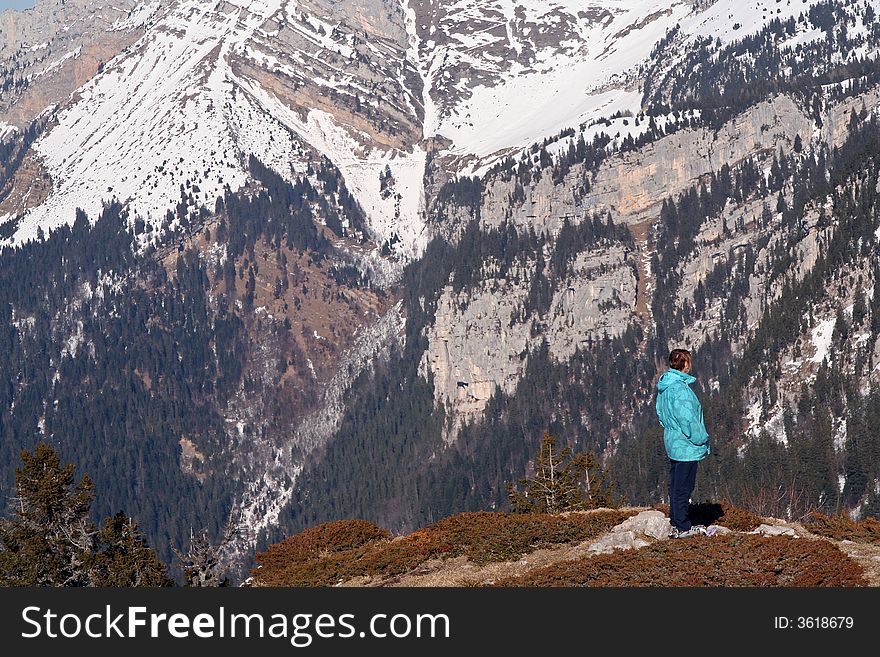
{"points": [[601, 547]]}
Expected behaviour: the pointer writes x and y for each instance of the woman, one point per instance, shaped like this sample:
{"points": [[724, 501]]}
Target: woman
{"points": [[685, 439]]}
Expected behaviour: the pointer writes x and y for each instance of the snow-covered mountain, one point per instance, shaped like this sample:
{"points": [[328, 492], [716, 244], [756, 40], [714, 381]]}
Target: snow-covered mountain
{"points": [[391, 239], [368, 84], [210, 83]]}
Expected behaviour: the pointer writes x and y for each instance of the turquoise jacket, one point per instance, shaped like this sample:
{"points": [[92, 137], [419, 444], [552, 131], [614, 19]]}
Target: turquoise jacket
{"points": [[684, 434]]}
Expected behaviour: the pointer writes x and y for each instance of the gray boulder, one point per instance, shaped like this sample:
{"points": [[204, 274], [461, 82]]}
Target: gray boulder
{"points": [[721, 531], [652, 524], [774, 530], [634, 533], [612, 541]]}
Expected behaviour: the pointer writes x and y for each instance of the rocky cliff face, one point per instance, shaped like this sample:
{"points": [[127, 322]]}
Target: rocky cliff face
{"points": [[480, 340], [633, 184], [50, 51], [479, 343]]}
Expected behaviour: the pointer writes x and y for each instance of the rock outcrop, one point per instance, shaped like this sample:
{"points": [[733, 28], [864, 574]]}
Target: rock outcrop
{"points": [[479, 343], [634, 533]]}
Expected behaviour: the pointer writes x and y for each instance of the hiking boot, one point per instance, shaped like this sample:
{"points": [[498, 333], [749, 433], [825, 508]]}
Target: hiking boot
{"points": [[696, 530]]}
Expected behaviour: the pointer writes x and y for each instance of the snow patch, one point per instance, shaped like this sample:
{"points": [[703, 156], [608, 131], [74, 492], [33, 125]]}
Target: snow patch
{"points": [[753, 415], [137, 18], [774, 426], [718, 20], [400, 213], [538, 106], [431, 121], [793, 365], [840, 435], [821, 338], [6, 129], [563, 84]]}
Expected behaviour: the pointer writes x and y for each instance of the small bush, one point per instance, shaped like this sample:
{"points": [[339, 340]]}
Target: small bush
{"points": [[483, 537], [842, 528], [486, 537], [731, 560], [316, 541]]}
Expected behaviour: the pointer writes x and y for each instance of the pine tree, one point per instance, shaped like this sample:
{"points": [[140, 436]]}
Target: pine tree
{"points": [[860, 308], [563, 482], [202, 563], [597, 486], [49, 539], [125, 559]]}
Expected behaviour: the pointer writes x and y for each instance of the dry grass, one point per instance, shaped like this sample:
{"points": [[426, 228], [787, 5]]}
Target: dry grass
{"points": [[733, 560], [319, 541], [490, 549], [842, 528], [323, 556]]}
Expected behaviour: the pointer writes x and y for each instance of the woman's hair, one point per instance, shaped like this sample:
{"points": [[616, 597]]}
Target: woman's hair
{"points": [[679, 358]]}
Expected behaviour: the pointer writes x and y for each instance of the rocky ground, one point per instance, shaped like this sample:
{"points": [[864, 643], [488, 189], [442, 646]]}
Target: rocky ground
{"points": [[649, 526], [604, 547]]}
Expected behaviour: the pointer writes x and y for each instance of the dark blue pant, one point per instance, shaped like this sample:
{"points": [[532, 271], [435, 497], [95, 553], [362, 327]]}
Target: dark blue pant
{"points": [[682, 476]]}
